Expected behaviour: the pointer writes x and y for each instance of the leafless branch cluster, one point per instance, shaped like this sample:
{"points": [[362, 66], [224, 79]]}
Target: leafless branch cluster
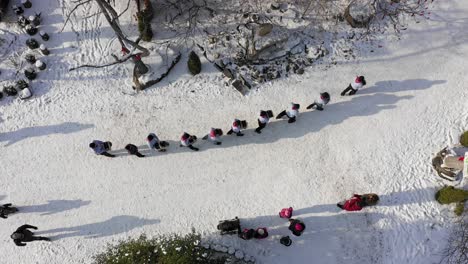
{"points": [[393, 10], [184, 16], [456, 251]]}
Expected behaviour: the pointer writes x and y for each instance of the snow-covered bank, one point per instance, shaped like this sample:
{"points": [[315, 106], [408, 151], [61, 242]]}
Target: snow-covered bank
{"points": [[380, 140]]}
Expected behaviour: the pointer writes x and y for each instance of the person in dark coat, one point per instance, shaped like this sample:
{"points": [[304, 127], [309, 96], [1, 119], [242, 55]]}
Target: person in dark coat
{"points": [[101, 148], [352, 88], [6, 209], [22, 234], [286, 240], [247, 234], [187, 140], [133, 150], [296, 226]]}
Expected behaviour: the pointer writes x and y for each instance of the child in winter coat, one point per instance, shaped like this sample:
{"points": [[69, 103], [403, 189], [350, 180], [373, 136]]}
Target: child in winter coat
{"points": [[101, 148], [155, 144], [247, 234], [263, 120], [187, 140], [286, 212], [214, 136], [296, 226], [6, 209], [291, 114], [286, 241], [261, 233], [358, 83], [357, 202], [133, 150], [320, 102], [22, 234], [236, 127]]}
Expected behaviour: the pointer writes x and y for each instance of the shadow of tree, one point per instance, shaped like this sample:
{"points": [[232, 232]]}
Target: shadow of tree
{"points": [[112, 226], [53, 206], [37, 131]]}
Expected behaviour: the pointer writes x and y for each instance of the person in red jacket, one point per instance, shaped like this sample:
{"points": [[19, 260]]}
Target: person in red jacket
{"points": [[357, 202], [296, 226]]}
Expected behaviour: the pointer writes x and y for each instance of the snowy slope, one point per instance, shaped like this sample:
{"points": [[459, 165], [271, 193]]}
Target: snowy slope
{"points": [[380, 140]]}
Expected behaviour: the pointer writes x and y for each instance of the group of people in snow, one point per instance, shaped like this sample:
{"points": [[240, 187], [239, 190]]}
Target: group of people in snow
{"points": [[296, 226], [22, 234], [214, 135]]}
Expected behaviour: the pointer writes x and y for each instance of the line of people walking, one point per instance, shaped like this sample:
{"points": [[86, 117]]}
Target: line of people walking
{"points": [[215, 134]]}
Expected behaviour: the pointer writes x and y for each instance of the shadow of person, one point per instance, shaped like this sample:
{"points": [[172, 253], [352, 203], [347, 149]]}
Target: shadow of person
{"points": [[53, 206], [392, 86], [37, 131], [413, 196], [113, 226]]}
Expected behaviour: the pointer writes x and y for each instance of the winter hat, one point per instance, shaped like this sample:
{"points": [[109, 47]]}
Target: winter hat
{"points": [[263, 114], [299, 227], [261, 231], [92, 145], [150, 137], [17, 236]]}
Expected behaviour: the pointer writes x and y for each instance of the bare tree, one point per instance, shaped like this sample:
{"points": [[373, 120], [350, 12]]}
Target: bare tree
{"points": [[456, 251]]}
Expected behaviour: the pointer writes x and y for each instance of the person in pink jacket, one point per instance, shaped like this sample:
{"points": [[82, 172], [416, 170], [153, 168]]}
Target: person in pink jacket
{"points": [[286, 212]]}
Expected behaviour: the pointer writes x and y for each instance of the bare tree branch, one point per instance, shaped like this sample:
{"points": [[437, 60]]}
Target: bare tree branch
{"points": [[117, 61], [72, 11]]}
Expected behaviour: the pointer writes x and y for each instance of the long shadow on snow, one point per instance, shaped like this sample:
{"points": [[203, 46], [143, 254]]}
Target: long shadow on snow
{"points": [[112, 226], [393, 86], [414, 196], [23, 133], [308, 122], [53, 206]]}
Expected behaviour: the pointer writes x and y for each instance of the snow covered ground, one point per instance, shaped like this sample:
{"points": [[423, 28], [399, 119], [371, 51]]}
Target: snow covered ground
{"points": [[380, 141]]}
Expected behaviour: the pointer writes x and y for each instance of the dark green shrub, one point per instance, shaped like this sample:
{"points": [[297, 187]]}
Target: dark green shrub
{"points": [[194, 63], [169, 249], [449, 194], [141, 250], [464, 139]]}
